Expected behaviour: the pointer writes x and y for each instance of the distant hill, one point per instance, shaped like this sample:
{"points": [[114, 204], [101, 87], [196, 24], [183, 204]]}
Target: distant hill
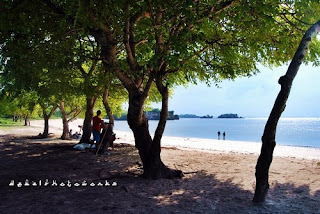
{"points": [[207, 117], [229, 116], [188, 116]]}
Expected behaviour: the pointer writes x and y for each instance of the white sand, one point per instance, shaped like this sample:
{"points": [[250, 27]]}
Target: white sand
{"points": [[228, 146], [210, 145]]}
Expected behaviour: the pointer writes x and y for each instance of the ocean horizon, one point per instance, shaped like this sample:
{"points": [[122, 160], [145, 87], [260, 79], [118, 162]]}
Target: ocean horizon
{"points": [[303, 132]]}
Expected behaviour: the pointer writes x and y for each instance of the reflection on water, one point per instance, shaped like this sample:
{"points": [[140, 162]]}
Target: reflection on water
{"points": [[290, 131]]}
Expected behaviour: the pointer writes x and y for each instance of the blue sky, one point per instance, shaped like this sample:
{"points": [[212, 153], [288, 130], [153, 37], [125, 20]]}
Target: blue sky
{"points": [[252, 97]]}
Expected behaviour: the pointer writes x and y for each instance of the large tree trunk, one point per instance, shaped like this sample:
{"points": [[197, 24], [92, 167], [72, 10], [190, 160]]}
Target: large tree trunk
{"points": [[65, 122], [27, 120], [15, 118], [68, 117], [149, 150], [87, 120], [65, 133], [107, 106], [268, 138], [46, 118], [46, 127]]}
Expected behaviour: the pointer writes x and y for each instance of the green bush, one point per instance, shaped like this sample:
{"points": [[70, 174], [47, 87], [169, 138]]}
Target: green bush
{"points": [[9, 122]]}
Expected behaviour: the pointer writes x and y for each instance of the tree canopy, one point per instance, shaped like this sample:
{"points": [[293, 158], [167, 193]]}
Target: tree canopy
{"points": [[197, 40]]}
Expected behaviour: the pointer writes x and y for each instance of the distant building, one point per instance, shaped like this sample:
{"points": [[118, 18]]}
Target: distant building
{"points": [[155, 115], [171, 116]]}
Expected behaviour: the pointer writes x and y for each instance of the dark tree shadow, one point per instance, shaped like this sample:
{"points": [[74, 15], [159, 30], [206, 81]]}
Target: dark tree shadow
{"points": [[36, 160]]}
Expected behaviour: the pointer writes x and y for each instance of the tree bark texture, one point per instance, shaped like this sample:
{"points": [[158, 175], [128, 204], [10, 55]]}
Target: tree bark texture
{"points": [[65, 122], [15, 118], [46, 127], [46, 118], [87, 120], [149, 150], [107, 106], [268, 138], [27, 120], [68, 117]]}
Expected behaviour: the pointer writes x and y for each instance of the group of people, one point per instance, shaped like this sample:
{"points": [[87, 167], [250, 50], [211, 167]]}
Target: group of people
{"points": [[223, 134], [76, 135]]}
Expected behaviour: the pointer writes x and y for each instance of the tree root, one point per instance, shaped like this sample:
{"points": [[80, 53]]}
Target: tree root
{"points": [[260, 193], [162, 172]]}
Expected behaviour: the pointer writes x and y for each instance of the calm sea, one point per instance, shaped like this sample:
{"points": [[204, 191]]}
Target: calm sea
{"points": [[290, 131]]}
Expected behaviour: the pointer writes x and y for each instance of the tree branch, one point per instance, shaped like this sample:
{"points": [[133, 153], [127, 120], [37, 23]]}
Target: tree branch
{"points": [[126, 80], [54, 7], [93, 67], [148, 86], [52, 110], [75, 115], [141, 42], [58, 10], [127, 39], [289, 22], [83, 72]]}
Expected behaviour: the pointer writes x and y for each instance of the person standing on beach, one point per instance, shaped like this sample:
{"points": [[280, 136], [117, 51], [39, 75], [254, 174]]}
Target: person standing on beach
{"points": [[96, 126], [224, 135], [218, 135]]}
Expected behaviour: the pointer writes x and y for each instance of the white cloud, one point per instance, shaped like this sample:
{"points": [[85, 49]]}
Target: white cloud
{"points": [[252, 97]]}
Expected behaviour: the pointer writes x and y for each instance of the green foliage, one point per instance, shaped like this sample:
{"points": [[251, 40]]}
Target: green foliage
{"points": [[48, 55], [9, 123], [117, 104], [7, 106], [57, 114], [55, 48], [206, 46], [37, 112], [22, 104], [154, 96]]}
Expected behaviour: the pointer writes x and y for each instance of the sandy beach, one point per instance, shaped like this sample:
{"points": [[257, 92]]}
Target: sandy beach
{"points": [[219, 176]]}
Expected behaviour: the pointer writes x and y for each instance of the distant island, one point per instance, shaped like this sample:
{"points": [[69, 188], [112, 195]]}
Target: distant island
{"points": [[188, 116], [229, 116], [207, 117], [154, 114]]}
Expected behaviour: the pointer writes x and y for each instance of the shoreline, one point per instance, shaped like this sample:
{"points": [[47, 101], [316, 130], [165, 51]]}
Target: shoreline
{"points": [[200, 144], [228, 146]]}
